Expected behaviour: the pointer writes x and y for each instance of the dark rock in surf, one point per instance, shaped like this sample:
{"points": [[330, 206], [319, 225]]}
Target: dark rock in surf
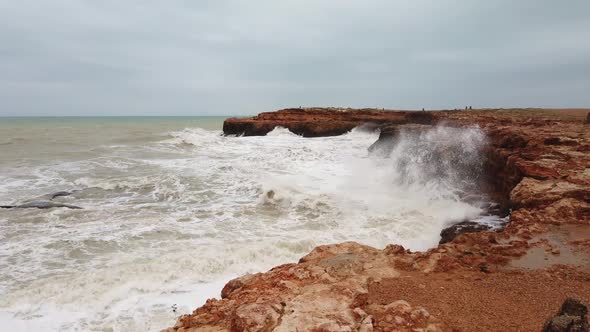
{"points": [[60, 194], [572, 317], [389, 135], [40, 205], [46, 205], [450, 233], [384, 144]]}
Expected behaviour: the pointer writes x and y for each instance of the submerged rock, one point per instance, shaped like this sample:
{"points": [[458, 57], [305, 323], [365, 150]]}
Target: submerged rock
{"points": [[60, 194], [40, 205], [44, 202]]}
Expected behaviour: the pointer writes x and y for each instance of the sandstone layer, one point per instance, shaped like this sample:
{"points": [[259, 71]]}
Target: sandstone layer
{"points": [[538, 163], [316, 122]]}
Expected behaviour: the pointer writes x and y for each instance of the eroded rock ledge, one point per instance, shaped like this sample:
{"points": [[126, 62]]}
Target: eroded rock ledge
{"points": [[515, 279], [316, 122]]}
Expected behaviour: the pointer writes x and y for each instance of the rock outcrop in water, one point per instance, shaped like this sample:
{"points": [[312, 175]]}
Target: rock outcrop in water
{"points": [[40, 205], [538, 163], [450, 233], [45, 202]]}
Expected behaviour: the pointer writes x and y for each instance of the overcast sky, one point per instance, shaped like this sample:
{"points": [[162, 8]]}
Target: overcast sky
{"points": [[218, 57]]}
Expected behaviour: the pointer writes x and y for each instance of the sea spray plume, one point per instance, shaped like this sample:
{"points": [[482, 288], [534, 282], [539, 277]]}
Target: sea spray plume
{"points": [[446, 159]]}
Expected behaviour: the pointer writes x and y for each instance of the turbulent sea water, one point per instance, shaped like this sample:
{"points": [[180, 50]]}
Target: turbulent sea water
{"points": [[172, 210]]}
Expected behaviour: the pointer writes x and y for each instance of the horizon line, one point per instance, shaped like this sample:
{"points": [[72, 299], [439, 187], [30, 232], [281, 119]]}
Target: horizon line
{"points": [[112, 116], [306, 107]]}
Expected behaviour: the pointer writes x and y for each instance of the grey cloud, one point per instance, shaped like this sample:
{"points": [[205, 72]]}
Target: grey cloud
{"points": [[83, 57]]}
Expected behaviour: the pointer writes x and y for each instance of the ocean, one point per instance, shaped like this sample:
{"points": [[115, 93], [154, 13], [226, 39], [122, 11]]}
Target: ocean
{"points": [[171, 210]]}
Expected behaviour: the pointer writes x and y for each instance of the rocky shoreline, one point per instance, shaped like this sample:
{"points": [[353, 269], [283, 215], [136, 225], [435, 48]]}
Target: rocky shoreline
{"points": [[537, 166]]}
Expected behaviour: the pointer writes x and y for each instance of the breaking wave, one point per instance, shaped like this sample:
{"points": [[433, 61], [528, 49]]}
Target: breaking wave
{"points": [[168, 222]]}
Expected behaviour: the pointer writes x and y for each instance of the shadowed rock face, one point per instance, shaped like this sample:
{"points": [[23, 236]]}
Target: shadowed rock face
{"points": [[573, 317], [390, 133], [450, 233], [471, 283]]}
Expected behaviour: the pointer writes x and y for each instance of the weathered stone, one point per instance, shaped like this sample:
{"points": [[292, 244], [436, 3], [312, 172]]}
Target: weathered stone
{"points": [[315, 122], [256, 317], [231, 286], [573, 317], [533, 192], [450, 233]]}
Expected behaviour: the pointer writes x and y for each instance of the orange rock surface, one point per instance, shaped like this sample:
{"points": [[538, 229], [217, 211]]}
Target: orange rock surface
{"points": [[511, 280], [315, 122]]}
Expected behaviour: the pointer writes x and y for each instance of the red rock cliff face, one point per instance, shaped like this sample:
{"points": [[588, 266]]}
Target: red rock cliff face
{"points": [[512, 280], [316, 122]]}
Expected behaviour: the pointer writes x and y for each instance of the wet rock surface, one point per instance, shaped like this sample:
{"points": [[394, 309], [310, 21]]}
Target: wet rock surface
{"points": [[45, 202], [573, 317], [450, 233], [59, 194], [40, 205], [466, 284], [389, 134]]}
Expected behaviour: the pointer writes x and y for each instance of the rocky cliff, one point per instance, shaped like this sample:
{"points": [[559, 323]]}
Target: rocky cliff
{"points": [[316, 122], [538, 164]]}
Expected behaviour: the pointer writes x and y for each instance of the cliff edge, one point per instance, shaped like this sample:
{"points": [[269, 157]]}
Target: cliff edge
{"points": [[516, 279]]}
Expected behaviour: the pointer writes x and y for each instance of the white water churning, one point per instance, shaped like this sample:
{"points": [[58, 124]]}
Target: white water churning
{"points": [[170, 214]]}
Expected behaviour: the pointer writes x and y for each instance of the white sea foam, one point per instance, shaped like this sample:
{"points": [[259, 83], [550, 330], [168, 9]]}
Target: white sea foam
{"points": [[168, 222]]}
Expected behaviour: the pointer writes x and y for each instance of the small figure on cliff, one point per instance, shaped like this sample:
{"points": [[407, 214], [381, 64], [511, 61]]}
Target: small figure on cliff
{"points": [[470, 108], [422, 109]]}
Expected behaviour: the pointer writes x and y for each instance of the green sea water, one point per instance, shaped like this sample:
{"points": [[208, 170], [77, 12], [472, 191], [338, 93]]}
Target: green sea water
{"points": [[38, 138]]}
